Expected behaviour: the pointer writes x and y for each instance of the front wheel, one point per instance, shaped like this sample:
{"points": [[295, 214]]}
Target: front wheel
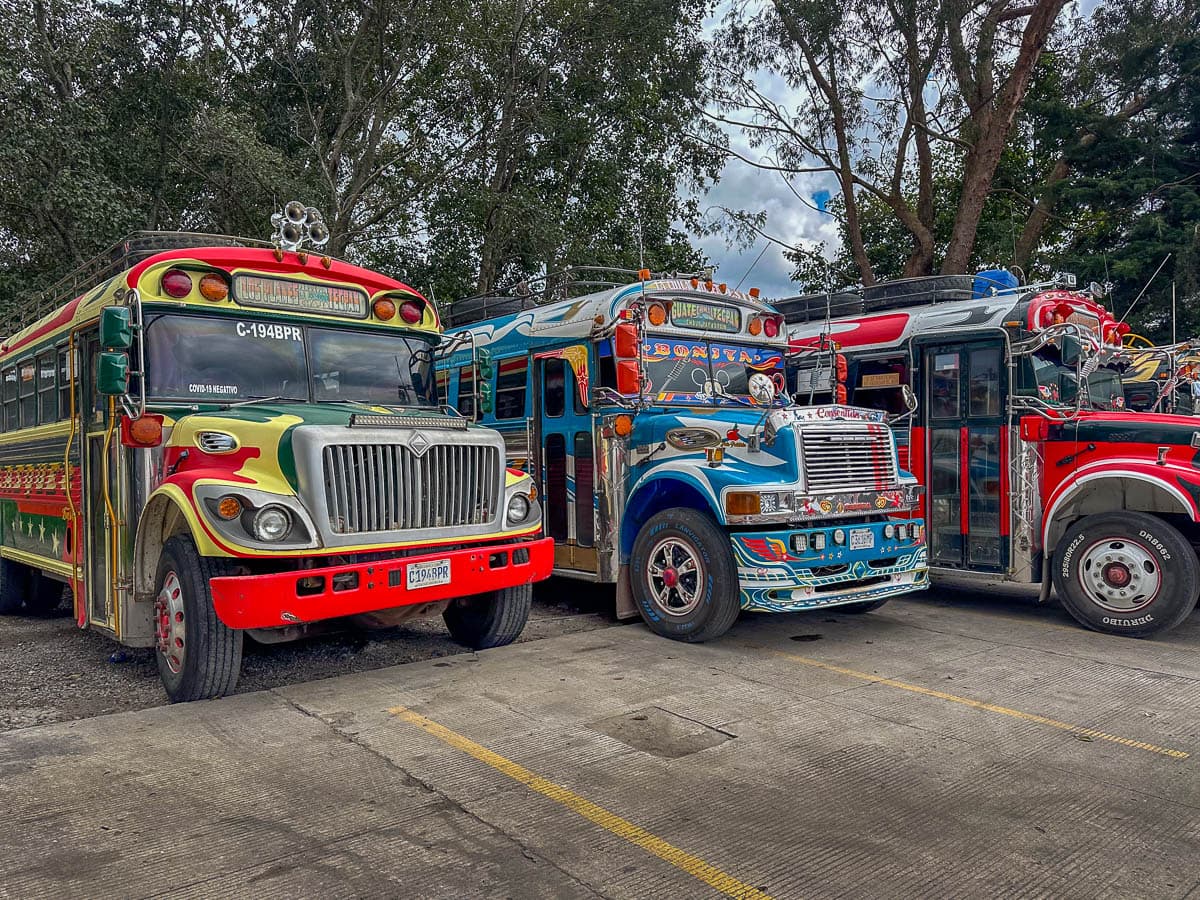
{"points": [[683, 576], [14, 585], [1126, 573], [489, 620], [199, 656]]}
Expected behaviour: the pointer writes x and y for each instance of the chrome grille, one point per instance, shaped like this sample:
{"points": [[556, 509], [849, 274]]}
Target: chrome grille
{"points": [[847, 457], [388, 487]]}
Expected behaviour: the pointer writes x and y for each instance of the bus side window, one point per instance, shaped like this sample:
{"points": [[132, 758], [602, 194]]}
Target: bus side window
{"points": [[466, 392], [555, 388], [64, 383], [879, 385], [10, 399], [27, 372], [511, 377], [47, 387]]}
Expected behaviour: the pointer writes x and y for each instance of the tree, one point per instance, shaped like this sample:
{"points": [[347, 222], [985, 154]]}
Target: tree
{"points": [[885, 95]]}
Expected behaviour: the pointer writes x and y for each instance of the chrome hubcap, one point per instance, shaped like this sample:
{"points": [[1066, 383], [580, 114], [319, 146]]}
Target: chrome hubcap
{"points": [[1119, 575], [170, 627], [675, 576]]}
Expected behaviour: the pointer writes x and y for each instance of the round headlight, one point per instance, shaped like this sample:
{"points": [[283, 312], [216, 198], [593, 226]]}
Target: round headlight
{"points": [[272, 523], [839, 536], [518, 508]]}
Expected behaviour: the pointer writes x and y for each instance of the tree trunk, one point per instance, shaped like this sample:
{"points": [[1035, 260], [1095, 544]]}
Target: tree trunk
{"points": [[991, 123]]}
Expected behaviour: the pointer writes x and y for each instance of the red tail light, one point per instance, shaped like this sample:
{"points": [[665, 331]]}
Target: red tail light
{"points": [[412, 311], [771, 327], [176, 283]]}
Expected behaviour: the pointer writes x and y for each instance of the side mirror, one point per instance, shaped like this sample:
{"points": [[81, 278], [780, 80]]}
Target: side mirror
{"points": [[628, 379], [762, 389], [116, 330], [483, 361], [1070, 350], [625, 342], [486, 398], [910, 398], [112, 374]]}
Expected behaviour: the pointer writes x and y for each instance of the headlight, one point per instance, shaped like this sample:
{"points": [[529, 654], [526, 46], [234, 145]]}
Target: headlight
{"points": [[272, 523], [889, 531], [839, 536], [518, 509]]}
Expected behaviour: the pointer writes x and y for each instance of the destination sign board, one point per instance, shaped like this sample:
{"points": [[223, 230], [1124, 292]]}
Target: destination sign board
{"points": [[705, 316], [300, 296]]}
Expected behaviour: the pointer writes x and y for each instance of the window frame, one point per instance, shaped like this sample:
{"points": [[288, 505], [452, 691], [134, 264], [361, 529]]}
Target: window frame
{"points": [[521, 390], [49, 355]]}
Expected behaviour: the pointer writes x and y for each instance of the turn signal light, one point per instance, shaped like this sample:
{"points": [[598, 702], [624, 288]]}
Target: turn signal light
{"points": [[229, 507], [213, 287], [144, 431], [623, 426], [383, 308], [742, 503], [656, 314], [755, 327], [176, 283]]}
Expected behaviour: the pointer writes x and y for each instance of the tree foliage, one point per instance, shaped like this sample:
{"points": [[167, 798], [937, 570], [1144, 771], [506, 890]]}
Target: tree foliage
{"points": [[457, 145]]}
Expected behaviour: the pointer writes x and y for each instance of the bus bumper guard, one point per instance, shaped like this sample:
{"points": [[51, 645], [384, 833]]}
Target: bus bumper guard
{"points": [[774, 575], [310, 595]]}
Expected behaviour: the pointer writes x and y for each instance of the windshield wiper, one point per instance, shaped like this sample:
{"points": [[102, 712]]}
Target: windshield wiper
{"points": [[256, 400]]}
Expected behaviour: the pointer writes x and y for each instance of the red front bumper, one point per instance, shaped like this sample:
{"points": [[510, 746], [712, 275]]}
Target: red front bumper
{"points": [[309, 595]]}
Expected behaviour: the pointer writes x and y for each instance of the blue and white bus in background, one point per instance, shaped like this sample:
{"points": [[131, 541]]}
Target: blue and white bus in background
{"points": [[669, 461]]}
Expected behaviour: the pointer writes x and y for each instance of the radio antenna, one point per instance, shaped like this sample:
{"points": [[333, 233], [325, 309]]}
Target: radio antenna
{"points": [[1146, 288]]}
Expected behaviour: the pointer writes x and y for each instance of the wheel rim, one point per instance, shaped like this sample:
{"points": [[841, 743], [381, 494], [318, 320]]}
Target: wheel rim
{"points": [[1119, 575], [170, 623], [675, 576]]}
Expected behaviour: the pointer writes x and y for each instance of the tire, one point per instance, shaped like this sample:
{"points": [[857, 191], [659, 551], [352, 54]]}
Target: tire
{"points": [[45, 595], [489, 620], [681, 605], [858, 608], [14, 586], [212, 652], [1100, 554]]}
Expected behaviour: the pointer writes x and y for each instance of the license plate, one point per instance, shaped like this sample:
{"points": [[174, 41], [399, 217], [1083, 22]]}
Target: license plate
{"points": [[428, 574], [861, 539]]}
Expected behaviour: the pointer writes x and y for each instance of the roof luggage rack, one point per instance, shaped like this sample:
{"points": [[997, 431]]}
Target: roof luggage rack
{"points": [[116, 259], [886, 295], [573, 281]]}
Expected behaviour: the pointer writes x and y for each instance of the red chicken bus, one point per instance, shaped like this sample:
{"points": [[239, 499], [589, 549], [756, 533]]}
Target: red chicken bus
{"points": [[1034, 470]]}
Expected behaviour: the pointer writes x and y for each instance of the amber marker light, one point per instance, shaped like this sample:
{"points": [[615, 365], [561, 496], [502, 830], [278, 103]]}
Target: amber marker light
{"points": [[145, 431], [623, 426], [643, 274], [384, 309], [656, 314], [754, 292], [213, 287], [742, 503], [229, 507], [755, 326]]}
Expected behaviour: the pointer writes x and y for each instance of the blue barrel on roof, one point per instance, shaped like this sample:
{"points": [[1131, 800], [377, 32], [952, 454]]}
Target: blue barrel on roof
{"points": [[993, 281]]}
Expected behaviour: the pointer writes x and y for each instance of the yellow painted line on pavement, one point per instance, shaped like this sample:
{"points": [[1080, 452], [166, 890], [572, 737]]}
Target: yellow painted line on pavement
{"points": [[979, 704], [623, 828]]}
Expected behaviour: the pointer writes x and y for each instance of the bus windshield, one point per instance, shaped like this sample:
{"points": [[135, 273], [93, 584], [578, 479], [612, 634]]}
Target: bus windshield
{"points": [[1058, 383], [705, 371], [224, 360]]}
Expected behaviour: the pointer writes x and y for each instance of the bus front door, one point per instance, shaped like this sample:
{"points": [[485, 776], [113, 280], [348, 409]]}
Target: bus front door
{"points": [[104, 490], [966, 459], [566, 465]]}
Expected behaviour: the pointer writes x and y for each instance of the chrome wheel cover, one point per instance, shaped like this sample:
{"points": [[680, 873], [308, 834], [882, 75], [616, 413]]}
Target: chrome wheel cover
{"points": [[675, 576], [1119, 575], [170, 624]]}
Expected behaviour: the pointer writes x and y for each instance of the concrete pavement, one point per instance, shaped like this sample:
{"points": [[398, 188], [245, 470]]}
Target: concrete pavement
{"points": [[927, 749]]}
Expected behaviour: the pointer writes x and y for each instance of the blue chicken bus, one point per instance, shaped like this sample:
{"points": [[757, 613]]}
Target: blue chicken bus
{"points": [[669, 461]]}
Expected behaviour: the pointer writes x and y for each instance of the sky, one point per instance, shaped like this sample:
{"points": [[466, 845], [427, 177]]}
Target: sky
{"points": [[743, 187]]}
